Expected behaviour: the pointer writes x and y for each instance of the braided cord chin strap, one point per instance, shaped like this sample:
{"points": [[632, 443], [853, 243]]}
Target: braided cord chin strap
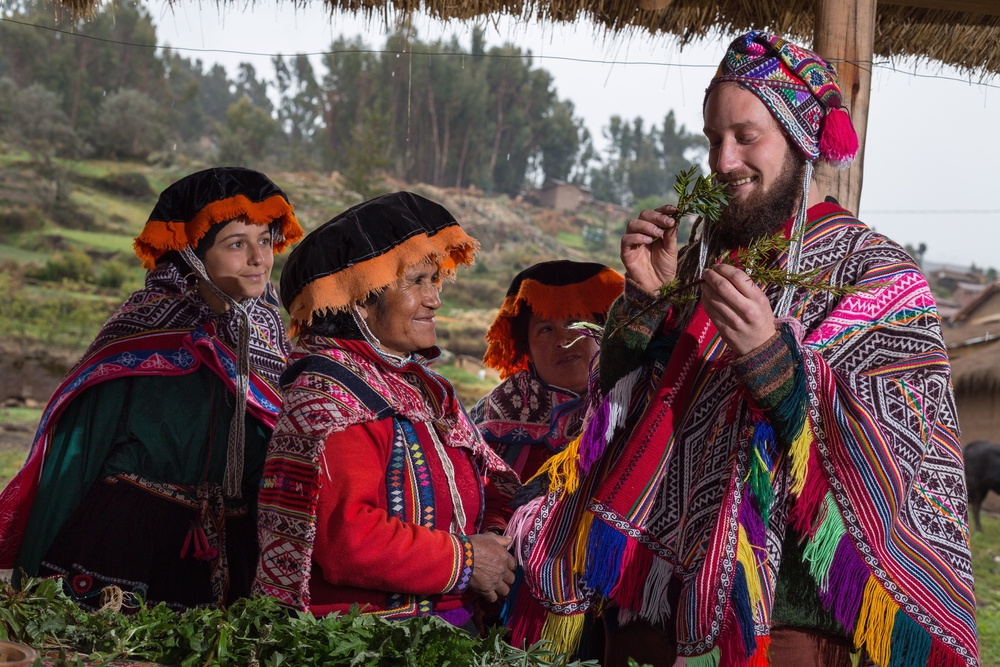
{"points": [[702, 248], [233, 481], [784, 308]]}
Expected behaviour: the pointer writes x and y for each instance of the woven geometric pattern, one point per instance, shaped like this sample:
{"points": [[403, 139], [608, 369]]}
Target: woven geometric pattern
{"points": [[164, 329], [795, 84], [883, 447]]}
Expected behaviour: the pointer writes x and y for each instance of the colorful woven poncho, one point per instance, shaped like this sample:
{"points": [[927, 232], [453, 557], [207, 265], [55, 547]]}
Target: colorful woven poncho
{"points": [[331, 385], [164, 329], [692, 480]]}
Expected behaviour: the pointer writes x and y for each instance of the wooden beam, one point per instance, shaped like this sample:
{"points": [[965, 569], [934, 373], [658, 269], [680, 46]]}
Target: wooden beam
{"points": [[845, 34], [985, 7]]}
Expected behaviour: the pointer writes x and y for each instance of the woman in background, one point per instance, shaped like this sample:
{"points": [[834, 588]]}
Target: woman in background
{"points": [[539, 407]]}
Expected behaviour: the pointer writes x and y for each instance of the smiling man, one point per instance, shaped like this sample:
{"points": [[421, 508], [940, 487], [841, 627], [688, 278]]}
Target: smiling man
{"points": [[778, 473]]}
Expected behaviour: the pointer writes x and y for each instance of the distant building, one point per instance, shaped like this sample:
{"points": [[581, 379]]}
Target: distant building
{"points": [[965, 293], [949, 278], [973, 339], [563, 196]]}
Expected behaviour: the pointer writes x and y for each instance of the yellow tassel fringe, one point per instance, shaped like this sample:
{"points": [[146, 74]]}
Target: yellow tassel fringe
{"points": [[580, 545], [563, 469], [563, 631], [744, 554], [799, 453], [875, 622]]}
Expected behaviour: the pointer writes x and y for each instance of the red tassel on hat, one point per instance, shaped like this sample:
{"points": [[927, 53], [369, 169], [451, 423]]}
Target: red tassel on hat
{"points": [[838, 142]]}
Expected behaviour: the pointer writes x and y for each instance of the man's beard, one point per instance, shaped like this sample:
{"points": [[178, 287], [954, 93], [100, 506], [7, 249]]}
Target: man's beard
{"points": [[763, 212]]}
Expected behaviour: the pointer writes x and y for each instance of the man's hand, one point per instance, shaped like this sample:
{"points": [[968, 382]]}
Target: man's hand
{"points": [[737, 308], [649, 248], [493, 566]]}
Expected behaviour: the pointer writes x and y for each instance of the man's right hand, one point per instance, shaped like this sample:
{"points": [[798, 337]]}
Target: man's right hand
{"points": [[492, 566], [649, 248]]}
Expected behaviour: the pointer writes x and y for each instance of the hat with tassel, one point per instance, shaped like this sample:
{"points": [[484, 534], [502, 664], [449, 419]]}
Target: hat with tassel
{"points": [[800, 89]]}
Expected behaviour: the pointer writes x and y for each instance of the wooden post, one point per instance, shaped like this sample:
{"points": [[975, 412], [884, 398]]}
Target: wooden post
{"points": [[845, 34]]}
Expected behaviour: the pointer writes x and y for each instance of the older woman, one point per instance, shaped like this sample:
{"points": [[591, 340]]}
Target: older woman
{"points": [[545, 366], [145, 470], [373, 487]]}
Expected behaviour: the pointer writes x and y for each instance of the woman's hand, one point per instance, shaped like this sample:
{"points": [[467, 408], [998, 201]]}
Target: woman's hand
{"points": [[738, 308], [649, 248], [493, 566]]}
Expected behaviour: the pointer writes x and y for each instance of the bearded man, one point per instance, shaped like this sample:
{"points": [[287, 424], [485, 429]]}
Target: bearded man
{"points": [[773, 473]]}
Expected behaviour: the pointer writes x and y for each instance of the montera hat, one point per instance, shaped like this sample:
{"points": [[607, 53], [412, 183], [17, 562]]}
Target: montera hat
{"points": [[553, 290], [367, 248], [800, 89], [189, 208]]}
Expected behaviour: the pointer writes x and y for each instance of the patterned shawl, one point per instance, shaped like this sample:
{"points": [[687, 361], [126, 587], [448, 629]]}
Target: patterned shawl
{"points": [[523, 410], [331, 385], [163, 329], [689, 482]]}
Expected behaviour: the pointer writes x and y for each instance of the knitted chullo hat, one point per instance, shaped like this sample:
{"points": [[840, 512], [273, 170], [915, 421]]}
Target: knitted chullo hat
{"points": [[187, 209], [553, 290], [367, 248], [800, 89]]}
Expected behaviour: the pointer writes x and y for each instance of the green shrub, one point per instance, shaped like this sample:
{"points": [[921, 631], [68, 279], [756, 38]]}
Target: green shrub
{"points": [[67, 321], [129, 183], [113, 274], [18, 219], [73, 265], [66, 214]]}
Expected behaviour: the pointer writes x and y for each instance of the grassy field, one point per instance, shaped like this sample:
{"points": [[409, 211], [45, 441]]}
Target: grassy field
{"points": [[986, 566], [17, 427]]}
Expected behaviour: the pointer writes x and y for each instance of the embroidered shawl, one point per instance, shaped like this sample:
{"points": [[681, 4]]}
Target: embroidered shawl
{"points": [[163, 329], [679, 475], [333, 384], [523, 410]]}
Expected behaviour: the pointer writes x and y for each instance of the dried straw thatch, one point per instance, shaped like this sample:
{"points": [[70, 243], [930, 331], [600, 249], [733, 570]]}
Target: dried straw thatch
{"points": [[969, 41], [977, 372]]}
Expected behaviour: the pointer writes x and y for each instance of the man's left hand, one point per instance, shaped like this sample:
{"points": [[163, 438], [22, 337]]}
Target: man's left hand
{"points": [[737, 307]]}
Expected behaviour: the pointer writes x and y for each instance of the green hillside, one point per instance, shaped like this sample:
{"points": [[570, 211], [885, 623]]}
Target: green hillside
{"points": [[66, 260]]}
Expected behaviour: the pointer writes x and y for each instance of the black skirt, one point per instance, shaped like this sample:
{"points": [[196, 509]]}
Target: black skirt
{"points": [[125, 535]]}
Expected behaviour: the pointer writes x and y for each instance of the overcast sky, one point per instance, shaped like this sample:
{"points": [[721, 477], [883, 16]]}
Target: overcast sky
{"points": [[933, 143]]}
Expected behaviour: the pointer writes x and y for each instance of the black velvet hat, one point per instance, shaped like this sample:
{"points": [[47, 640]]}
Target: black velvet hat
{"points": [[367, 248], [553, 290], [187, 209]]}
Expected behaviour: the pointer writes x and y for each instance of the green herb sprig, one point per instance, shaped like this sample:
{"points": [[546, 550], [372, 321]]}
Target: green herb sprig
{"points": [[707, 198]]}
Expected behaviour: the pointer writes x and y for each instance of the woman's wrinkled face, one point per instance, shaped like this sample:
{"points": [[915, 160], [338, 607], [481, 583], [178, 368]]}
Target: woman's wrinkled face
{"points": [[240, 259], [555, 363], [403, 320]]}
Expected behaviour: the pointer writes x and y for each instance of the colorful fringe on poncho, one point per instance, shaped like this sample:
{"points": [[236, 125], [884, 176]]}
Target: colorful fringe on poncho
{"points": [[690, 470]]}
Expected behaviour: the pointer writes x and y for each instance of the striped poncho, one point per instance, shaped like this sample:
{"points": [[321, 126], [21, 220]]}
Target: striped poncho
{"points": [[686, 474]]}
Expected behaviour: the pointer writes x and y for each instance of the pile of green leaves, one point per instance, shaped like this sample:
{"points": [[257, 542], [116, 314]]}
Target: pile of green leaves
{"points": [[254, 632]]}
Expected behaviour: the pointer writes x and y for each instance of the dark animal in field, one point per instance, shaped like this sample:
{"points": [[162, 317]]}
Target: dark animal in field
{"points": [[982, 474]]}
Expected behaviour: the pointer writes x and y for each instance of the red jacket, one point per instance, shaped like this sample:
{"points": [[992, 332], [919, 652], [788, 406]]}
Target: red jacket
{"points": [[363, 554]]}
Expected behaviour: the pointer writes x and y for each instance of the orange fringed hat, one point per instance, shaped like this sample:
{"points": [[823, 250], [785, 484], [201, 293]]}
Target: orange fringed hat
{"points": [[553, 290], [367, 248], [187, 209]]}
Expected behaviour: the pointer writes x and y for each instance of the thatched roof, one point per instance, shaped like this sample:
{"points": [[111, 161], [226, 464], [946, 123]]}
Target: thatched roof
{"points": [[963, 33], [977, 371]]}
